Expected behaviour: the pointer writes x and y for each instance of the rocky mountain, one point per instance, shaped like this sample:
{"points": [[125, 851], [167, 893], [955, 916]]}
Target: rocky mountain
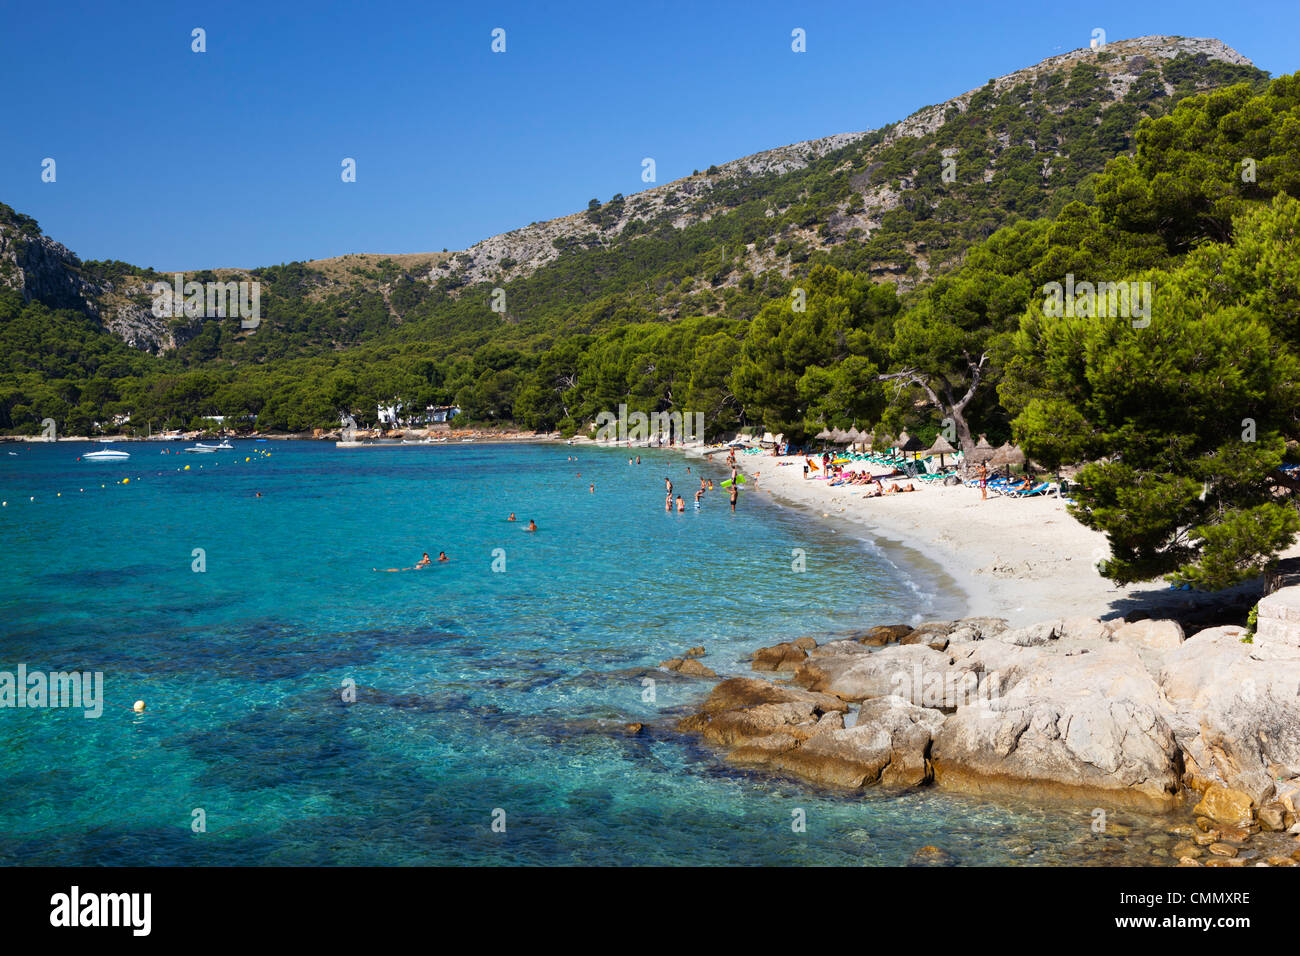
{"points": [[898, 203], [701, 196], [47, 271]]}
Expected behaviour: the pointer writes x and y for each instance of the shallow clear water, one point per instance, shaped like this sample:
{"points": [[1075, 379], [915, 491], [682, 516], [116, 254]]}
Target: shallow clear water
{"points": [[479, 689]]}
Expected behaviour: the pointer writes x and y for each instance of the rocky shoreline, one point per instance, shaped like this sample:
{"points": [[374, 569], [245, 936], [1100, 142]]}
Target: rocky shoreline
{"points": [[1113, 715]]}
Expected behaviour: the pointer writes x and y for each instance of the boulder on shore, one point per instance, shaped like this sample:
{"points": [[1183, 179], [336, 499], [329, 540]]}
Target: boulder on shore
{"points": [[779, 657]]}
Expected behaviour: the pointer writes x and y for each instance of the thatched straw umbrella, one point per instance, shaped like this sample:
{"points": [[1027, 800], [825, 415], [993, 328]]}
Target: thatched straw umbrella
{"points": [[1007, 455], [839, 436], [855, 437], [983, 451], [910, 443], [822, 435], [942, 447]]}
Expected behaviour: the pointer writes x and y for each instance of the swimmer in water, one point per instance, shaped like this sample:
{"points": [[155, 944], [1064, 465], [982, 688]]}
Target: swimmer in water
{"points": [[422, 563], [442, 556], [698, 495], [668, 503], [710, 484], [532, 525], [512, 516], [681, 505], [638, 459], [592, 489]]}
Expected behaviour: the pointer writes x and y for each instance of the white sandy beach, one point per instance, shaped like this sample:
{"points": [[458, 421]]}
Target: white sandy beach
{"points": [[1024, 559]]}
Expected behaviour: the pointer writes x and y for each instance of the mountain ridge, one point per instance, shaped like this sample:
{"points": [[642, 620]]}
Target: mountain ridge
{"points": [[871, 200]]}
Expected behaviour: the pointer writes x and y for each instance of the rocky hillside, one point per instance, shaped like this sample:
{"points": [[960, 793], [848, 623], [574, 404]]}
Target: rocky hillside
{"points": [[40, 268], [702, 196], [899, 204]]}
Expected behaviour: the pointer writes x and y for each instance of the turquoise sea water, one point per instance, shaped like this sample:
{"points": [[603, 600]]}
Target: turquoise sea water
{"points": [[479, 690]]}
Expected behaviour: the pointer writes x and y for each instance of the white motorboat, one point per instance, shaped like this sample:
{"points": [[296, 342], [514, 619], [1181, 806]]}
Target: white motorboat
{"points": [[201, 449], [108, 454]]}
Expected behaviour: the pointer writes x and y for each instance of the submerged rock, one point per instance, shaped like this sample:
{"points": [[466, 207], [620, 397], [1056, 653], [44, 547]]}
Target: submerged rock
{"points": [[932, 856], [688, 666]]}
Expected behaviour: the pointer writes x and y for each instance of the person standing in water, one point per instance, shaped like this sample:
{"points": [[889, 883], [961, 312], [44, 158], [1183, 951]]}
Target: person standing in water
{"points": [[592, 489], [668, 503], [698, 495], [681, 505], [734, 493], [638, 459]]}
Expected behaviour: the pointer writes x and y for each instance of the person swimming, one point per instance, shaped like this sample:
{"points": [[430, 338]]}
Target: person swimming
{"points": [[442, 556], [512, 516], [592, 489], [532, 525], [424, 562]]}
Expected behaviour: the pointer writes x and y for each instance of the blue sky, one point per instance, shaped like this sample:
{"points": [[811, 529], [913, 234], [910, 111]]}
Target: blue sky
{"points": [[232, 157]]}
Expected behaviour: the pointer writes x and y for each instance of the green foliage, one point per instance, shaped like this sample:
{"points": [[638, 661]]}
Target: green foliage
{"points": [[1183, 420]]}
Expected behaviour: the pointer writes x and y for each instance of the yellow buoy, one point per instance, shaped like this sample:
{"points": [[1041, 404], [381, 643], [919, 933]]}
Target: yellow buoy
{"points": [[187, 467], [138, 707]]}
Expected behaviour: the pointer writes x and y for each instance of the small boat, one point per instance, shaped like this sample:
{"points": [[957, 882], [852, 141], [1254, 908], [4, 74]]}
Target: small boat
{"points": [[225, 446], [108, 454], [202, 449]]}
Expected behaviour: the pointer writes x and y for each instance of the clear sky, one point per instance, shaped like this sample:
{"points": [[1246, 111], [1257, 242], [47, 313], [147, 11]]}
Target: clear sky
{"points": [[175, 159]]}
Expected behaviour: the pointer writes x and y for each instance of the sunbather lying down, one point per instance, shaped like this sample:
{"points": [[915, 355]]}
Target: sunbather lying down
{"points": [[898, 489]]}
